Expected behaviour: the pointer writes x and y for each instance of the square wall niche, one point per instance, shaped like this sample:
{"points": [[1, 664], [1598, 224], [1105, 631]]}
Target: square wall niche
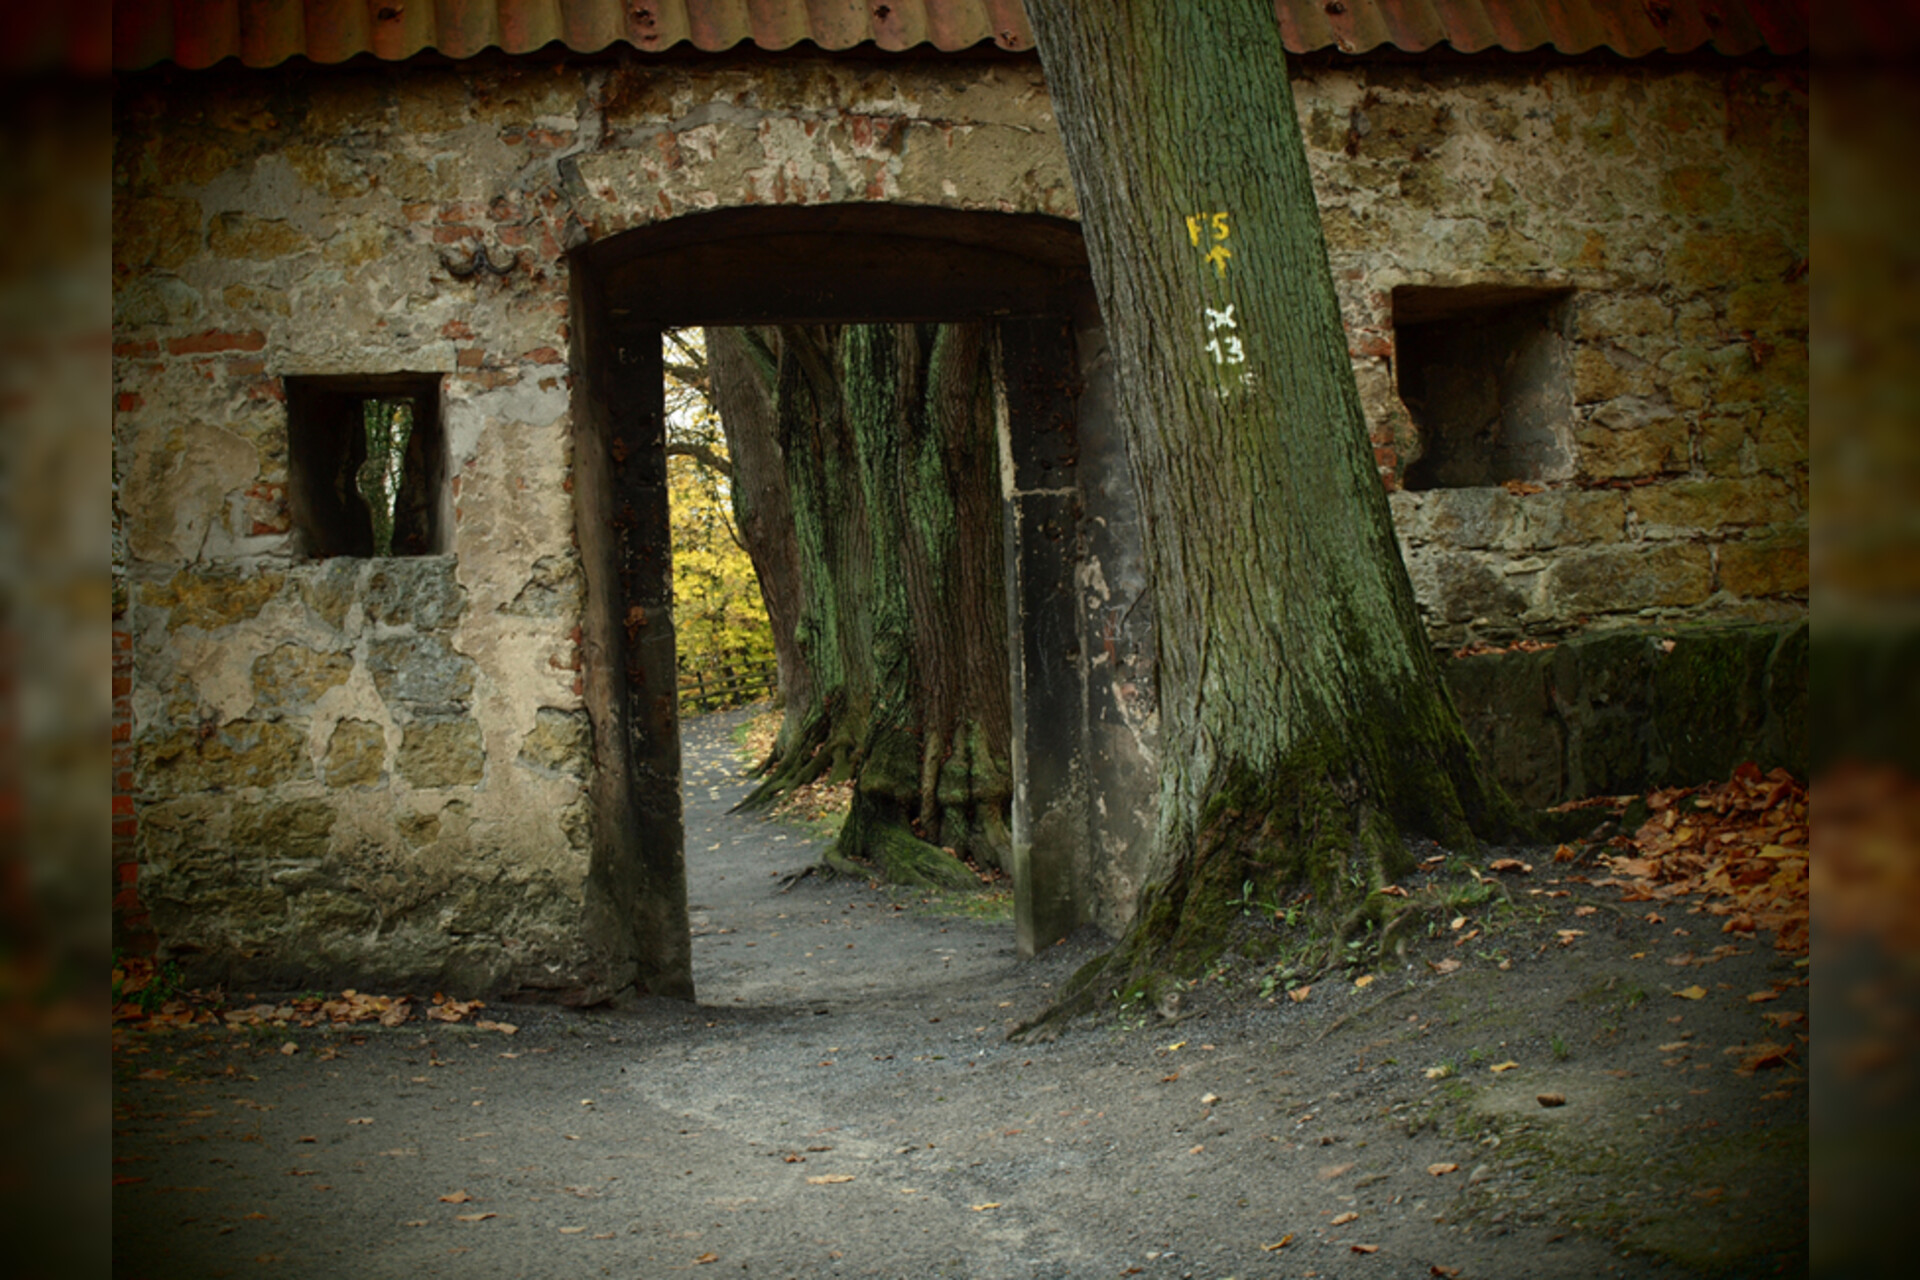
{"points": [[367, 471], [1486, 374]]}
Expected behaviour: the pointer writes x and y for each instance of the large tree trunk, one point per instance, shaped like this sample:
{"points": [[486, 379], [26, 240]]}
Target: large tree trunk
{"points": [[1304, 726], [741, 368], [887, 436]]}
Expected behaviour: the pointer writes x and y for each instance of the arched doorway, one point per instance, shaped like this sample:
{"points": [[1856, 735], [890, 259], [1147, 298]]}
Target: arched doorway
{"points": [[826, 264]]}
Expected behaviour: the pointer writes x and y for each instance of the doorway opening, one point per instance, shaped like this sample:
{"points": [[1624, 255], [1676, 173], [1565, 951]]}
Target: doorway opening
{"points": [[1021, 283]]}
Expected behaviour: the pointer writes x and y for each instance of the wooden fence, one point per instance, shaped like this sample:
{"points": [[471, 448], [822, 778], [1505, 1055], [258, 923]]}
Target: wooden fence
{"points": [[729, 687]]}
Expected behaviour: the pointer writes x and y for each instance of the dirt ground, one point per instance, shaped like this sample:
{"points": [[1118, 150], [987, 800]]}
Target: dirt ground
{"points": [[843, 1101]]}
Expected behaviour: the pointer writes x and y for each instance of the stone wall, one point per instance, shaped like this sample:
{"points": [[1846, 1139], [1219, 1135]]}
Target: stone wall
{"points": [[373, 768]]}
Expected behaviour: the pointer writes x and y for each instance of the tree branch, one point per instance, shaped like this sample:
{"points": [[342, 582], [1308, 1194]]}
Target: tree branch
{"points": [[704, 454]]}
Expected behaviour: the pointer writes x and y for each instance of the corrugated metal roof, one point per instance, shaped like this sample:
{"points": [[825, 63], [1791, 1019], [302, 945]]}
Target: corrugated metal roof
{"points": [[264, 33]]}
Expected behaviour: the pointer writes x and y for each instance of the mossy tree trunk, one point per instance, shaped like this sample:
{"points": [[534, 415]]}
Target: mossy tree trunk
{"points": [[1304, 725], [886, 432]]}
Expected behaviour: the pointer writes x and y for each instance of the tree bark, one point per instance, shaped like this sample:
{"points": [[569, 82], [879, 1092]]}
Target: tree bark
{"points": [[740, 373], [886, 432], [1304, 725]]}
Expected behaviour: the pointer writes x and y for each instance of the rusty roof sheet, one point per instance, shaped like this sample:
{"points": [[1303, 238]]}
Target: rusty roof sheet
{"points": [[264, 33]]}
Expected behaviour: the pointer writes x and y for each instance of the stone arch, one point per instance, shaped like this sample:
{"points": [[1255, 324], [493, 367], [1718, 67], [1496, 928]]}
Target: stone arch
{"points": [[822, 264]]}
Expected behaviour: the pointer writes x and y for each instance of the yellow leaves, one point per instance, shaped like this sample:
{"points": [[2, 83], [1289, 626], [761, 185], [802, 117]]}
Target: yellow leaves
{"points": [[473, 1217], [445, 1010], [705, 1258], [1499, 1067], [1176, 1046], [1443, 967], [982, 1208], [1342, 1219], [1279, 1244], [1694, 992], [1511, 865], [1299, 994], [1362, 982], [1443, 1168], [1442, 1072], [455, 1197], [829, 1179], [1566, 936]]}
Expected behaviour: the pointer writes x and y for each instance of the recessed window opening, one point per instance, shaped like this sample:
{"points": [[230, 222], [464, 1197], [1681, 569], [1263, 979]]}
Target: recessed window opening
{"points": [[367, 466], [1484, 373]]}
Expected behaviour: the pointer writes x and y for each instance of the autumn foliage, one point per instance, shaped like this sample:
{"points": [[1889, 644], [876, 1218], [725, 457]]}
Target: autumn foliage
{"points": [[1741, 845]]}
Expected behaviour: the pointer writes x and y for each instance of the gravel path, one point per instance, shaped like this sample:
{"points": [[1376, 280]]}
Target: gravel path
{"points": [[843, 1102]]}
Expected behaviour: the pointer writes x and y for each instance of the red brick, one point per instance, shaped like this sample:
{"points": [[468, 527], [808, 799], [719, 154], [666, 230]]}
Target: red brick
{"points": [[128, 872], [456, 329], [126, 827], [123, 732], [455, 234], [123, 806], [470, 357], [147, 348], [545, 355], [217, 340], [128, 401]]}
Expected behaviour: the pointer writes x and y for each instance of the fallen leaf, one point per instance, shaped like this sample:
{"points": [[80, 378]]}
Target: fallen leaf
{"points": [[1299, 994], [1176, 1046], [1458, 922], [1170, 1079], [361, 1120], [826, 1178], [1694, 992], [1206, 1100], [1444, 1167], [290, 1048], [504, 1028], [1333, 1171], [1498, 1067], [455, 1197], [1551, 1099], [473, 1217], [1765, 1055], [1365, 980], [1446, 1272], [1510, 864], [1365, 1248], [1567, 936], [982, 1208], [1441, 1072], [571, 1231], [705, 1258], [1784, 1017], [1281, 1243], [1196, 1149], [1342, 1219], [1761, 997], [1585, 911]]}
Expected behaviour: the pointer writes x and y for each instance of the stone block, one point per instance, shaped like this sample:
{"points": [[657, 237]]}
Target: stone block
{"points": [[240, 753], [1630, 438], [298, 829], [1464, 587], [555, 589], [420, 674], [1628, 577], [356, 754], [1721, 443], [1707, 708], [1507, 710], [155, 231], [1773, 564], [328, 587], [1607, 373], [1571, 518], [442, 753], [212, 598], [1476, 518], [1685, 506], [417, 592], [241, 235], [293, 676], [559, 742]]}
